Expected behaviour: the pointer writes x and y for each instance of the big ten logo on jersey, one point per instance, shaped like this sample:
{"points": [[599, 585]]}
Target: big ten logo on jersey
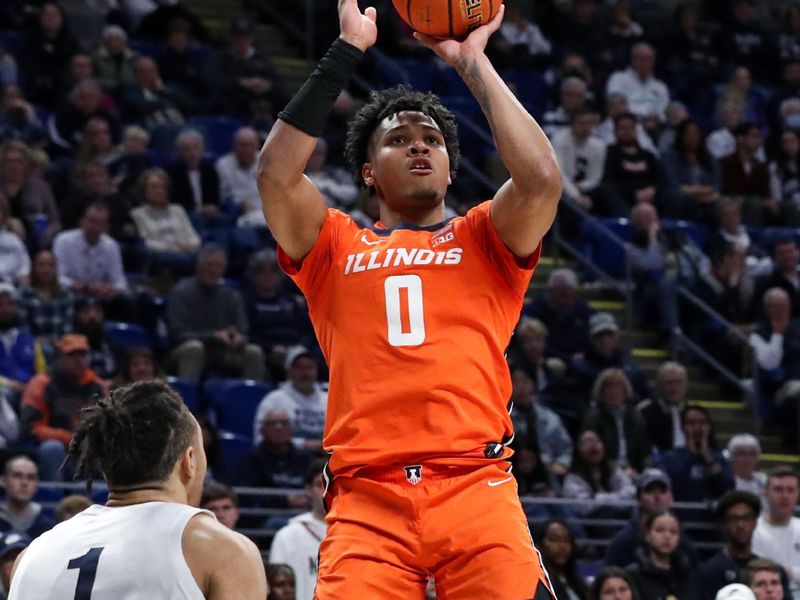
{"points": [[400, 257], [445, 234]]}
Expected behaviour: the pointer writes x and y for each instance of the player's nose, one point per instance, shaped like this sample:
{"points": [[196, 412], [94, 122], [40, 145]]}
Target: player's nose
{"points": [[418, 147]]}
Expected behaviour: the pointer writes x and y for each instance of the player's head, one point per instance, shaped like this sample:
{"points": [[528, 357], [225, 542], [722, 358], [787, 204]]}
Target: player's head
{"points": [[280, 578], [223, 502], [20, 480], [141, 435], [394, 127]]}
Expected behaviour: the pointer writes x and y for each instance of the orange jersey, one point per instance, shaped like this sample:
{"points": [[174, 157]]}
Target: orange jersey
{"points": [[413, 323]]}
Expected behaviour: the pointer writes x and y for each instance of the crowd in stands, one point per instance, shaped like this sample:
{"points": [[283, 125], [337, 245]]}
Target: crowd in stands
{"points": [[133, 246]]}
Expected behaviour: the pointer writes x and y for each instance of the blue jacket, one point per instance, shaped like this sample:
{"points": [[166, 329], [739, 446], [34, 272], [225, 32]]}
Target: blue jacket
{"points": [[17, 362], [691, 481]]}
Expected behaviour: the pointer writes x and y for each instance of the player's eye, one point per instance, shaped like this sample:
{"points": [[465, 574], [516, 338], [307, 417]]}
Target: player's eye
{"points": [[399, 139], [433, 140]]}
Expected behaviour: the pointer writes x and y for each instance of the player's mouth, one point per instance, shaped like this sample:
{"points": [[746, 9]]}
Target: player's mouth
{"points": [[421, 166]]}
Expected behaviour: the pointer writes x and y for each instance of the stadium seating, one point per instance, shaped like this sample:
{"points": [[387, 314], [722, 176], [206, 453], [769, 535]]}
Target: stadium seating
{"points": [[234, 448], [129, 334], [234, 402], [217, 130], [189, 391]]}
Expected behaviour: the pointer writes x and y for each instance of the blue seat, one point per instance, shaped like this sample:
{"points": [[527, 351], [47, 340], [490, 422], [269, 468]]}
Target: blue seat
{"points": [[235, 402], [12, 41], [234, 448], [451, 84], [188, 390], [530, 88], [218, 131], [606, 254], [162, 138], [770, 235], [422, 75], [48, 495], [129, 334], [695, 231]]}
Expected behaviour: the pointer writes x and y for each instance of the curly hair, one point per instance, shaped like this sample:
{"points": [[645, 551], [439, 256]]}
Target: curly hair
{"points": [[133, 436], [384, 103]]}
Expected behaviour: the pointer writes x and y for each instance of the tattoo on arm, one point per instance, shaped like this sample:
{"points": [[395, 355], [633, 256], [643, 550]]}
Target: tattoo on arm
{"points": [[470, 72]]}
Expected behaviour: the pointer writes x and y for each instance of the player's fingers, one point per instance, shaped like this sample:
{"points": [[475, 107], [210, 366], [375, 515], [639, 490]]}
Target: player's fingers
{"points": [[425, 39], [371, 13], [497, 20]]}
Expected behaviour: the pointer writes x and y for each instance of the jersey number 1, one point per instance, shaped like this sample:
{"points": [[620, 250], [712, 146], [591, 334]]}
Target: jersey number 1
{"points": [[87, 571], [404, 292]]}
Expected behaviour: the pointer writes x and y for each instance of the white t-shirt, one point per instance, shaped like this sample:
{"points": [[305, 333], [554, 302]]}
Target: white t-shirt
{"points": [[297, 545], [781, 544], [131, 553]]}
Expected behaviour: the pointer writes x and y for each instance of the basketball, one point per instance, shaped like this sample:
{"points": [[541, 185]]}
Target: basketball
{"points": [[452, 19]]}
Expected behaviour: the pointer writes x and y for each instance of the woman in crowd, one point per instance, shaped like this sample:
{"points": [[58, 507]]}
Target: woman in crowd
{"points": [[659, 572], [594, 477], [139, 364], [612, 583], [556, 543], [280, 578]]}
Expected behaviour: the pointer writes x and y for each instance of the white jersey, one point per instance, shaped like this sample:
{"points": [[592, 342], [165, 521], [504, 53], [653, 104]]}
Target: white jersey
{"points": [[122, 553]]}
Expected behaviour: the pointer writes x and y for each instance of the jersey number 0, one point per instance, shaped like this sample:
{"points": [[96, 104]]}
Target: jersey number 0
{"points": [[404, 299]]}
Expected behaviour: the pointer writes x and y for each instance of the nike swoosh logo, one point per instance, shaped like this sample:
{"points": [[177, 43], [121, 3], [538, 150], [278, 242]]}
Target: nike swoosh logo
{"points": [[496, 483], [368, 243]]}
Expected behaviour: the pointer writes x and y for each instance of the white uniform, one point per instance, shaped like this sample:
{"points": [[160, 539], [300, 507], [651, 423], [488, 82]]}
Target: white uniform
{"points": [[297, 545], [123, 553]]}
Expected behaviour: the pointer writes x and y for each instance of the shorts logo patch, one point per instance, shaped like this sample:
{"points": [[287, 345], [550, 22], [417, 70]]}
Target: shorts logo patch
{"points": [[413, 474]]}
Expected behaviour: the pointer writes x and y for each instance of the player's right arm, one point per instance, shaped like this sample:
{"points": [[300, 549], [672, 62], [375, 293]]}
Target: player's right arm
{"points": [[225, 564], [294, 208]]}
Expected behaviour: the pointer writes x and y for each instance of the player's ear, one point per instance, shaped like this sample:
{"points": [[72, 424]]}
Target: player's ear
{"points": [[366, 174], [187, 465]]}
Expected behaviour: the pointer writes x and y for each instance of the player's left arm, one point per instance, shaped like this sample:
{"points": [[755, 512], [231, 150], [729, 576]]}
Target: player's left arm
{"points": [[525, 206]]}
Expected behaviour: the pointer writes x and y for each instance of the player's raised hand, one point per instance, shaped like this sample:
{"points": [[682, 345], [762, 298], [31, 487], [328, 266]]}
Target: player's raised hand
{"points": [[357, 28], [454, 52]]}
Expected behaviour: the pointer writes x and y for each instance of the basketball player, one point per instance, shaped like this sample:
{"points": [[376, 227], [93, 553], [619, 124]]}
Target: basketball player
{"points": [[148, 541], [413, 316]]}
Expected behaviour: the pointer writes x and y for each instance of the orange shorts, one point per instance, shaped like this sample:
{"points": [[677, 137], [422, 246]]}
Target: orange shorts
{"points": [[463, 526]]}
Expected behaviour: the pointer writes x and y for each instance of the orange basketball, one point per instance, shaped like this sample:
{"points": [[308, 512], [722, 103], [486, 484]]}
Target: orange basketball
{"points": [[446, 18]]}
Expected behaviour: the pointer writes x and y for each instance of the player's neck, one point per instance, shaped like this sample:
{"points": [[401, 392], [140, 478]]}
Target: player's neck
{"points": [[422, 217], [146, 492]]}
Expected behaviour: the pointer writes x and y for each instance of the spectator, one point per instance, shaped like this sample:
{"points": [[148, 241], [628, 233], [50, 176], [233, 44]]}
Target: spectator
{"points": [[777, 535], [208, 322], [171, 240], [237, 169], [617, 422], [532, 475], [676, 114], [606, 352], [15, 264], [654, 495], [281, 582], [731, 231], [16, 346], [194, 182], [46, 309], [582, 33], [612, 583], [89, 261], [45, 54], [71, 505], [138, 364], [623, 34], [297, 544], [789, 39], [574, 94], [334, 183], [698, 470], [632, 174], [646, 95], [243, 76], [595, 477], [82, 69], [52, 402], [104, 351], [616, 105], [9, 422], [776, 342], [222, 501], [85, 20], [547, 373], [743, 42], [740, 90], [764, 579], [532, 419], [582, 159], [133, 159], [744, 450], [521, 43], [179, 64], [556, 543], [278, 318], [11, 546], [784, 177], [662, 414], [18, 118], [692, 174], [18, 512], [738, 512], [97, 144], [743, 174], [276, 462], [784, 275], [148, 101], [84, 101], [301, 397], [113, 60], [691, 59], [564, 314], [28, 196], [722, 142], [662, 572]]}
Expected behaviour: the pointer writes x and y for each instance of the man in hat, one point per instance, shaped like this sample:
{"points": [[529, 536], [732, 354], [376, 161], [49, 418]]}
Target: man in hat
{"points": [[606, 352], [52, 402], [11, 544], [301, 397], [654, 495]]}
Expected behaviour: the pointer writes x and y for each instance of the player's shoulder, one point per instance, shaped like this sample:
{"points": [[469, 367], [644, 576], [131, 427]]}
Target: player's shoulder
{"points": [[204, 536]]}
